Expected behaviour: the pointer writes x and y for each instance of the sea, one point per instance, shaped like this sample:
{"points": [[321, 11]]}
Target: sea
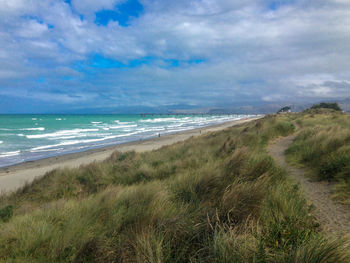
{"points": [[31, 137]]}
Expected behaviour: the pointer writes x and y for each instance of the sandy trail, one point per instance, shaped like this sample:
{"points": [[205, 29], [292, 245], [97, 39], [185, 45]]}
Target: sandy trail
{"points": [[333, 217]]}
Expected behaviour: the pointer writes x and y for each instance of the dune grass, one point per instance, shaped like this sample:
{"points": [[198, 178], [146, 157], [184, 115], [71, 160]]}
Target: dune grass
{"points": [[216, 198], [323, 146]]}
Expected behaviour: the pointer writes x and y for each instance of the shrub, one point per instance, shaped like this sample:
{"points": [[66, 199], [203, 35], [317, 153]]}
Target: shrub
{"points": [[327, 105], [332, 165], [6, 213]]}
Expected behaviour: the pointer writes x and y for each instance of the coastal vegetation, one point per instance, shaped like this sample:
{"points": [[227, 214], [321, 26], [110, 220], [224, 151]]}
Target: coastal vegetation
{"points": [[215, 198], [327, 105], [323, 146]]}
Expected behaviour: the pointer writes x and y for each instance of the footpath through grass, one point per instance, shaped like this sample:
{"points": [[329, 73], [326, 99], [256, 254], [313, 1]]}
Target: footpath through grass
{"points": [[216, 198], [323, 146]]}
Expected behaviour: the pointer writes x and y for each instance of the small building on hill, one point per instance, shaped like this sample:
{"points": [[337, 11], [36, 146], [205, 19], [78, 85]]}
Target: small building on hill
{"points": [[285, 110]]}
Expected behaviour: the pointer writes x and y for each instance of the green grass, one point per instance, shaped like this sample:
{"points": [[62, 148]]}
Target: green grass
{"points": [[216, 198], [323, 146]]}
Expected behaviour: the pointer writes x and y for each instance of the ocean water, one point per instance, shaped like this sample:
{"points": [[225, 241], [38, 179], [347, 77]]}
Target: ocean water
{"points": [[30, 137]]}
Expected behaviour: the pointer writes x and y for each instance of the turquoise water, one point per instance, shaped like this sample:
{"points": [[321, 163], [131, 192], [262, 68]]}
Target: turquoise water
{"points": [[31, 137]]}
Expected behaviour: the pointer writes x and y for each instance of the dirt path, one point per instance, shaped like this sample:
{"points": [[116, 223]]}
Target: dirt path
{"points": [[333, 217]]}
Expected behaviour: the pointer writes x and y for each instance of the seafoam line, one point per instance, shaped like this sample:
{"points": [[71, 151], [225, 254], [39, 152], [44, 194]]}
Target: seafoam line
{"points": [[60, 133], [9, 154]]}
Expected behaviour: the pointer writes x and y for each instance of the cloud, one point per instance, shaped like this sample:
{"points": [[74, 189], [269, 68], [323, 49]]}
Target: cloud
{"points": [[13, 6], [248, 51], [31, 29]]}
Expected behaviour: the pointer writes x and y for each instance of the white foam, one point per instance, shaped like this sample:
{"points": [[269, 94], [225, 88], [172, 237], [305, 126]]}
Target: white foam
{"points": [[68, 137], [34, 119], [1, 142], [123, 122], [40, 148], [175, 125], [108, 137], [33, 129], [72, 142], [9, 154], [58, 119], [46, 150], [96, 122], [60, 133], [151, 129], [122, 126], [156, 120]]}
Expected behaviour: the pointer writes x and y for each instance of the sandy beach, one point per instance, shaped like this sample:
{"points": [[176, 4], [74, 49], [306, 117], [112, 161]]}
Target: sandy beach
{"points": [[13, 177]]}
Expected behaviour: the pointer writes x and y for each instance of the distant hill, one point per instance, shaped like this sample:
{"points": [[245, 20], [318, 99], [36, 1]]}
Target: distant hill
{"points": [[242, 108]]}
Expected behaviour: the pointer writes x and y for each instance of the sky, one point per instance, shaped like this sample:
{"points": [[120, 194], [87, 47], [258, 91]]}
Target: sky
{"points": [[71, 55]]}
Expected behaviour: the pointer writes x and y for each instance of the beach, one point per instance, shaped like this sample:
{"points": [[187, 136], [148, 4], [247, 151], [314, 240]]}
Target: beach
{"points": [[16, 176]]}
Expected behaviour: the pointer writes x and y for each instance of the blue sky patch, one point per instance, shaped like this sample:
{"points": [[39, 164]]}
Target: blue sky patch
{"points": [[122, 13], [197, 61], [103, 17], [67, 78], [99, 61], [178, 63], [276, 4], [273, 6], [250, 81], [41, 80]]}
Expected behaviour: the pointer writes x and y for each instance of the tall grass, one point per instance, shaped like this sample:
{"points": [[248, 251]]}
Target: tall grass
{"points": [[323, 145], [216, 198]]}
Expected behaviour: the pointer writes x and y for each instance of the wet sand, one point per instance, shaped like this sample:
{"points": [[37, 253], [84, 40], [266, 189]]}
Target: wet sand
{"points": [[15, 176]]}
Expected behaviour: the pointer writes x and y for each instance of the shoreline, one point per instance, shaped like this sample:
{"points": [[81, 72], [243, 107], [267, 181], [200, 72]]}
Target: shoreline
{"points": [[15, 176]]}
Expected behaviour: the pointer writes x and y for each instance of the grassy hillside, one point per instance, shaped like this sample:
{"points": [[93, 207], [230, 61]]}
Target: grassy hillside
{"points": [[215, 198], [323, 146]]}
